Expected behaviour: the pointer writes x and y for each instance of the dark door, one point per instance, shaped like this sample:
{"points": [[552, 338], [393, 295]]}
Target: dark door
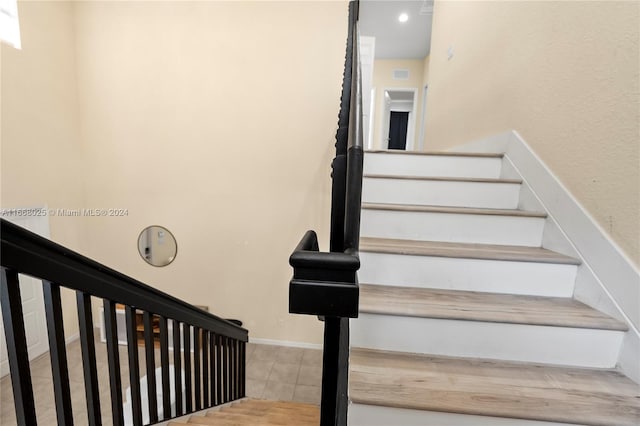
{"points": [[398, 130]]}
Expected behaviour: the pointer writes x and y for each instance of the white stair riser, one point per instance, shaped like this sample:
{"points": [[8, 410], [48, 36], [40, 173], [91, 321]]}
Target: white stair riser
{"points": [[459, 228], [515, 342], [374, 415], [441, 193], [432, 165], [493, 276]]}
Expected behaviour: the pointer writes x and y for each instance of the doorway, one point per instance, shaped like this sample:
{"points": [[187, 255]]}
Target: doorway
{"points": [[398, 124], [35, 325]]}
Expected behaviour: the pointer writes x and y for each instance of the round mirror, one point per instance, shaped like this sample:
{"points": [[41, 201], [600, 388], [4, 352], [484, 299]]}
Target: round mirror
{"points": [[157, 246]]}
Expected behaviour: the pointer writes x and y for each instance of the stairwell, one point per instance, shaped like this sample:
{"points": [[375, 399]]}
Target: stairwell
{"points": [[464, 318]]}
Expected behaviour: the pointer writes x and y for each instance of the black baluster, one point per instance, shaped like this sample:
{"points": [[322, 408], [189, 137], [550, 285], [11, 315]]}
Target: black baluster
{"points": [[219, 374], [212, 368], [164, 367], [177, 367], [113, 359], [196, 368], [134, 364], [243, 367], [225, 368], [58, 353], [236, 372], [87, 346], [186, 335], [205, 369], [17, 348], [232, 369], [149, 349]]}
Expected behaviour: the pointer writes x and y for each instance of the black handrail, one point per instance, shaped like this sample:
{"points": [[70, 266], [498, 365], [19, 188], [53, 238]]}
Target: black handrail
{"points": [[326, 284], [23, 252]]}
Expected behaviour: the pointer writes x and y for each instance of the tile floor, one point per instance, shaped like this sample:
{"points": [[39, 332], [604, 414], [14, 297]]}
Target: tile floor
{"points": [[273, 372]]}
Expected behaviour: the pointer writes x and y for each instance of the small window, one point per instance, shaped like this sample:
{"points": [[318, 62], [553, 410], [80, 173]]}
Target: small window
{"points": [[9, 26]]}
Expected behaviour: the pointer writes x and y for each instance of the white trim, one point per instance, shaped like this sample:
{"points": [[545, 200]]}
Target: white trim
{"points": [[372, 116], [600, 254], [609, 273], [420, 143], [384, 122], [10, 23], [305, 345]]}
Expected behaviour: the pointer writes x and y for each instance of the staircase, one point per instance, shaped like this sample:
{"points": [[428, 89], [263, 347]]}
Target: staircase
{"points": [[250, 412], [464, 318]]}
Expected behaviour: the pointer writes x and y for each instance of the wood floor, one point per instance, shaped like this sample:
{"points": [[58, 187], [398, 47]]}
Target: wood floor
{"points": [[464, 250], [476, 306], [489, 388], [250, 412]]}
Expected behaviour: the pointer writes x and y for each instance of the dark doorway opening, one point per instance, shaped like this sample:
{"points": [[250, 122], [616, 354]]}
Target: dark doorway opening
{"points": [[398, 124]]}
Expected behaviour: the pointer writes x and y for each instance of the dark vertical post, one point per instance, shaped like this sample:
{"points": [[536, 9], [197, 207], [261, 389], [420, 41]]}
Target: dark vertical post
{"points": [[58, 353], [134, 364], [205, 369], [225, 367], [186, 334], [243, 367], [177, 367], [87, 346], [234, 369], [196, 368], [164, 368], [219, 374], [149, 349], [342, 385], [113, 358], [212, 368], [17, 348], [328, 408]]}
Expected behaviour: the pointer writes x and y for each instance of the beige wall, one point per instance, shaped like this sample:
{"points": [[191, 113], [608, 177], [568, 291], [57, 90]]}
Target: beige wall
{"points": [[215, 120], [565, 75], [40, 145], [383, 79]]}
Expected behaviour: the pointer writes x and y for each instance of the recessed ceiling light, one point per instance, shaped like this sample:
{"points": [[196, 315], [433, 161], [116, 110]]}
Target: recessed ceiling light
{"points": [[403, 17]]}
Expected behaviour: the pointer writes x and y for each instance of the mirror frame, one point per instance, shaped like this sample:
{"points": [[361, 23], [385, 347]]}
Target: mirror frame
{"points": [[165, 230]]}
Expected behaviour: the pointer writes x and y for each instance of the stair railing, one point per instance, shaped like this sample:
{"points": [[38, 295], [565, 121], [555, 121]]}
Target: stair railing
{"points": [[209, 353], [326, 284]]}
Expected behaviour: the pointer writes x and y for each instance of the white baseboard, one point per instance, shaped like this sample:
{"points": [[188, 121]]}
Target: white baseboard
{"points": [[287, 343], [607, 279], [72, 338]]}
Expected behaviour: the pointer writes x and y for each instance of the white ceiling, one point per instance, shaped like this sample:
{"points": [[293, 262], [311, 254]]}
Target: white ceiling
{"points": [[396, 40]]}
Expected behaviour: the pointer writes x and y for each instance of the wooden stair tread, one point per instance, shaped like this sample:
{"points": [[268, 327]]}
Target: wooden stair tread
{"points": [[464, 250], [434, 153], [276, 411], [263, 404], [259, 412], [445, 179], [488, 307], [490, 388], [452, 210]]}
